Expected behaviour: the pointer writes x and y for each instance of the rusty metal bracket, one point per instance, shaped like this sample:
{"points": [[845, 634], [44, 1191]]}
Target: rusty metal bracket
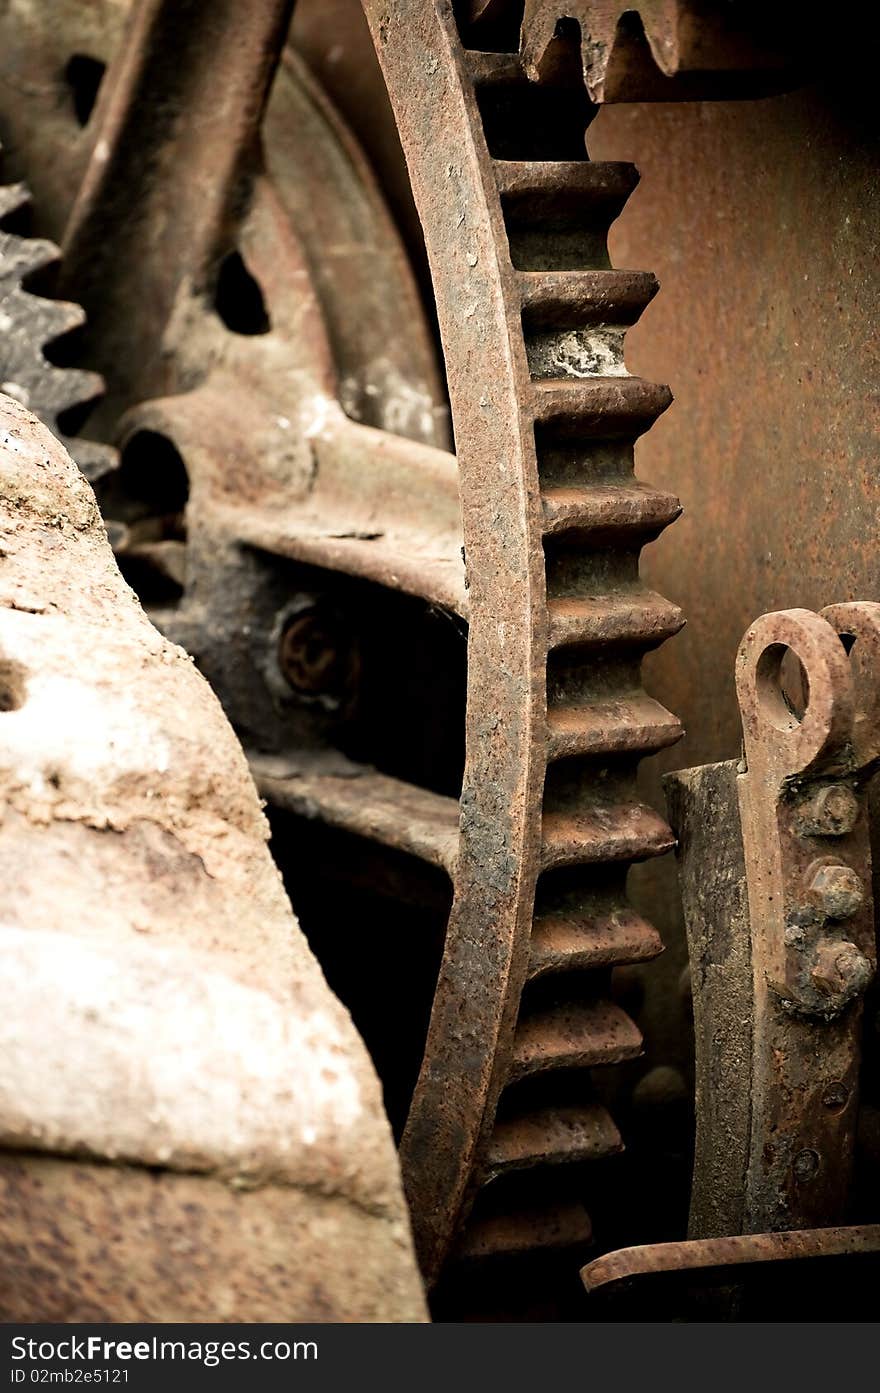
{"points": [[775, 869], [824, 1267], [805, 837], [804, 830]]}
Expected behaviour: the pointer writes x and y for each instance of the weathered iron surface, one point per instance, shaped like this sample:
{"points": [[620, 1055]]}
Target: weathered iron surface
{"points": [[32, 325], [515, 219], [487, 938], [201, 1049], [334, 39], [153, 294], [278, 494], [704, 813], [384, 355], [173, 155], [776, 874], [733, 1258], [766, 328], [652, 50], [265, 462], [355, 798], [808, 869], [52, 57]]}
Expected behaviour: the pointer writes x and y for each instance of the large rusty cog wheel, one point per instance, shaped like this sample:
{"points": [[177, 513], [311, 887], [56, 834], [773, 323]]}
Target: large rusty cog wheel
{"points": [[545, 417], [248, 488]]}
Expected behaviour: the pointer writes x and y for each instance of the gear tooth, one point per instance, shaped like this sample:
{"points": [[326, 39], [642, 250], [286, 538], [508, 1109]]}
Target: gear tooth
{"points": [[12, 198], [61, 317], [29, 323], [585, 412], [79, 386], [23, 257]]}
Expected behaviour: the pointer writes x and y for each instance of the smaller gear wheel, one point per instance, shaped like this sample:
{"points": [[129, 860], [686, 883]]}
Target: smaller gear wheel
{"points": [[29, 325]]}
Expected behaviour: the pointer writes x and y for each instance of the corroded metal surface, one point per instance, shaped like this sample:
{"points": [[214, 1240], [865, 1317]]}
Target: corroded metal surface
{"points": [[274, 468], [281, 479], [52, 58], [775, 868], [773, 455], [704, 812], [195, 178], [173, 153], [52, 61], [486, 945], [359, 800], [652, 50], [784, 407], [251, 420], [732, 1254], [544, 426]]}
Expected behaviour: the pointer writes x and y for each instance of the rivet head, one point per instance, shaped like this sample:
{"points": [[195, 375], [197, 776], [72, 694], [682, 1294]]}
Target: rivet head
{"points": [[806, 1164], [316, 654], [837, 891], [840, 971], [835, 1097], [831, 811]]}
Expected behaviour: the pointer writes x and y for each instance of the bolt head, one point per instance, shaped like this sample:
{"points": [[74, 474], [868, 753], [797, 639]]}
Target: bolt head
{"points": [[837, 891], [835, 1097], [316, 654], [831, 811], [806, 1164], [840, 971]]}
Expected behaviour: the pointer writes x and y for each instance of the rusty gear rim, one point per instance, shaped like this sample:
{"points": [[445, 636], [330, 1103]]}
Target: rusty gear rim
{"points": [[545, 418], [545, 415]]}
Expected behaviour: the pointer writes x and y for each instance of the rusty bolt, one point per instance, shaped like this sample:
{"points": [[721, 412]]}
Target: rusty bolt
{"points": [[835, 1097], [316, 655], [837, 890], [806, 1164], [831, 811], [840, 970]]}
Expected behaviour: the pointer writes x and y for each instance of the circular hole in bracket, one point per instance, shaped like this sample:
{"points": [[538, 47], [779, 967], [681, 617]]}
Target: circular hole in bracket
{"points": [[783, 687]]}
